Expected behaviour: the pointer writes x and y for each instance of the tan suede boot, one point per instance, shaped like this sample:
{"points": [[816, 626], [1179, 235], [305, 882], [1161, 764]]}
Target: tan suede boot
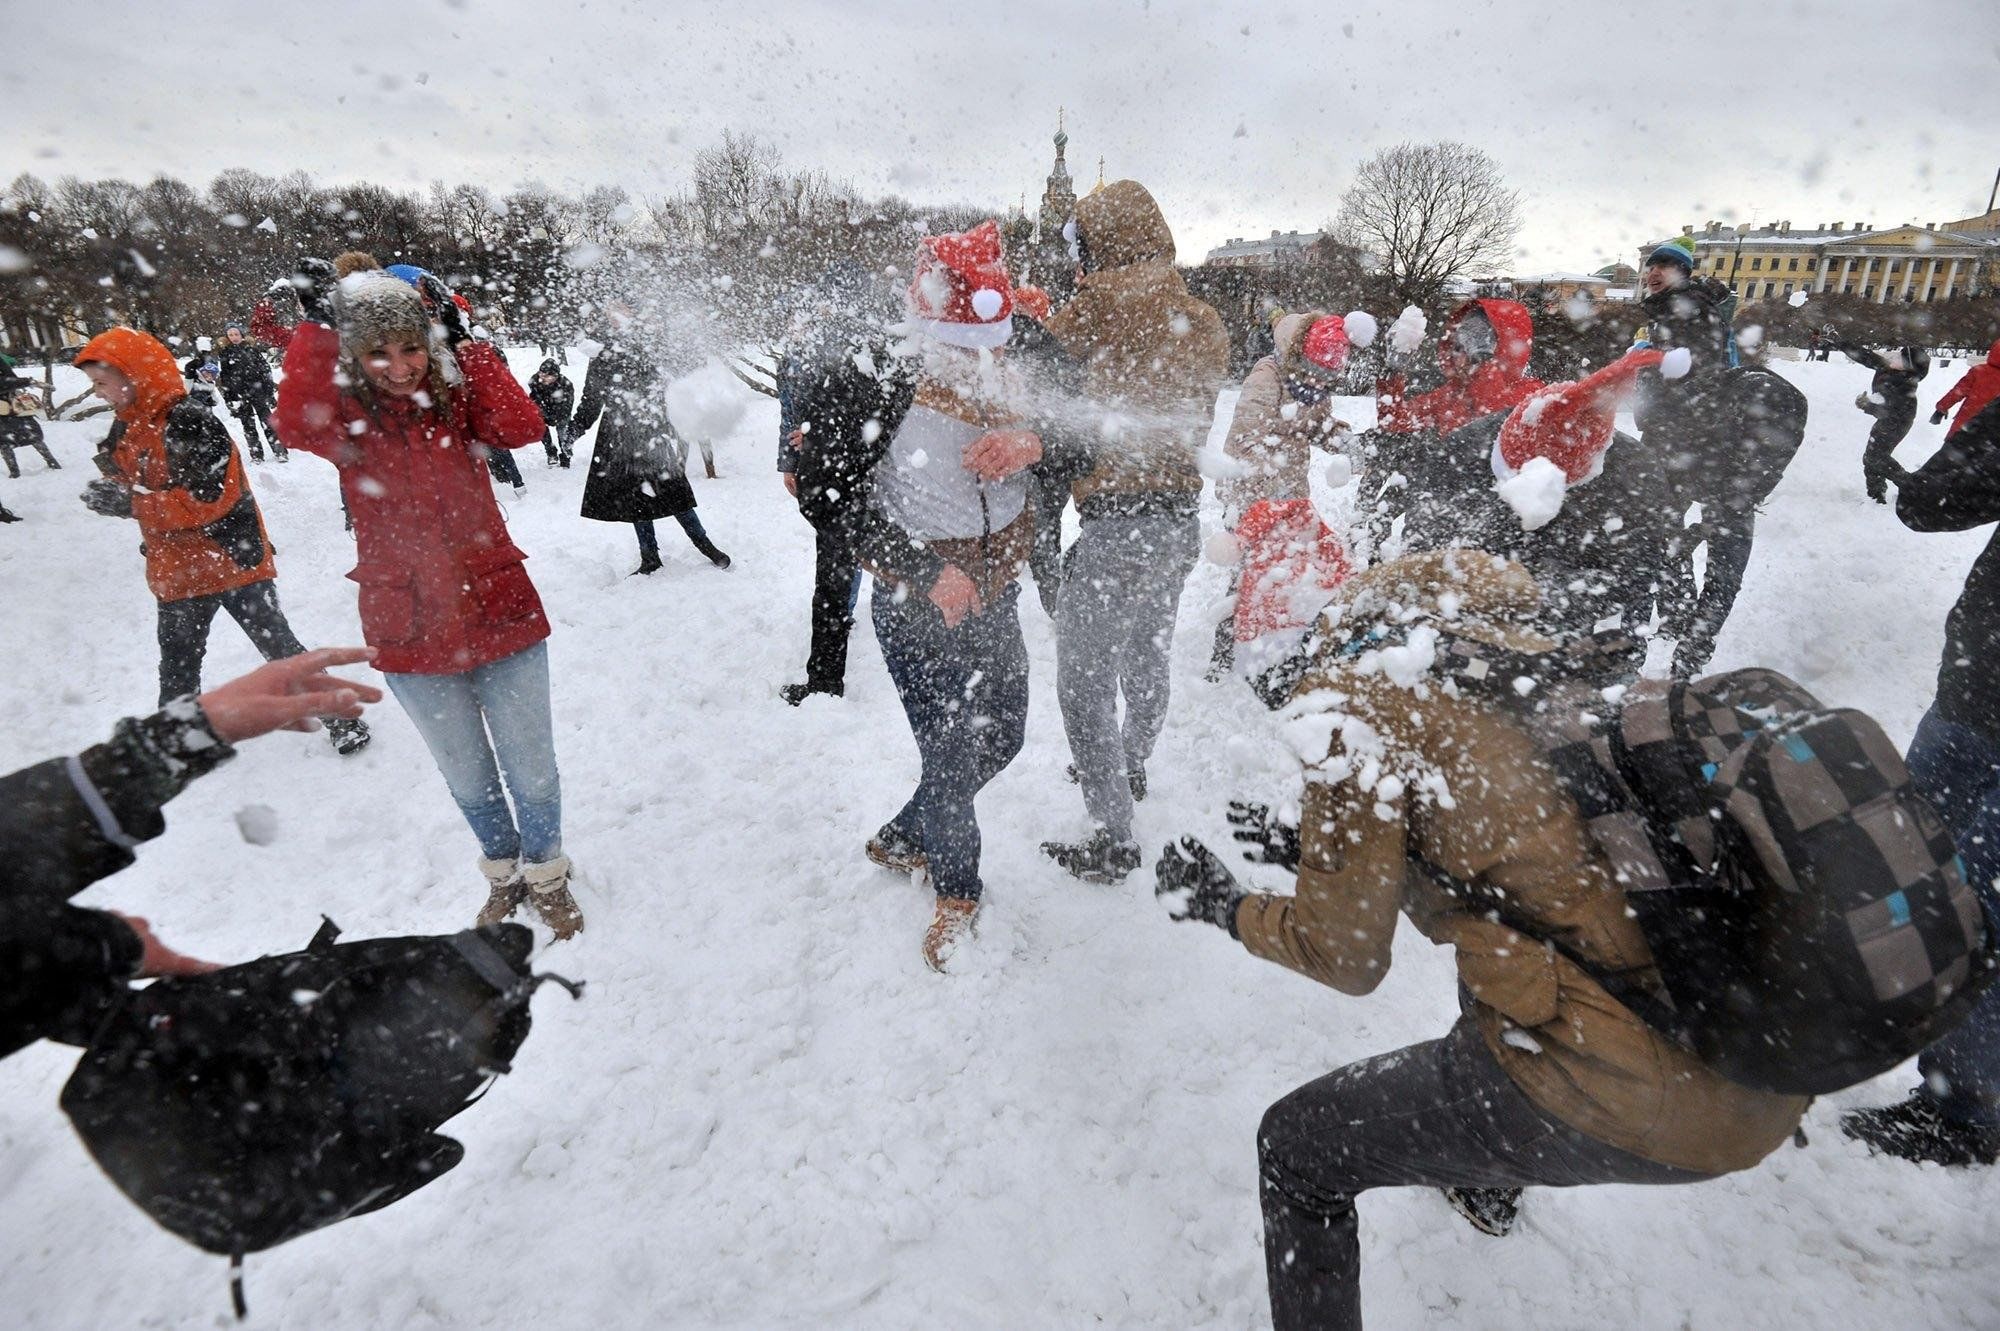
{"points": [[547, 885], [504, 877], [949, 926]]}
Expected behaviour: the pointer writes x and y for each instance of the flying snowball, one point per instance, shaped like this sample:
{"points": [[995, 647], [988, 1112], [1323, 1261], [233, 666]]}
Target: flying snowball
{"points": [[1339, 471], [1676, 363], [1407, 333], [1535, 493], [1796, 299], [1222, 550], [258, 824]]}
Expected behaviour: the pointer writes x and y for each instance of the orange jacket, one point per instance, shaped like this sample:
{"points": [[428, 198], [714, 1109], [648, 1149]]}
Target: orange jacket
{"points": [[199, 523]]}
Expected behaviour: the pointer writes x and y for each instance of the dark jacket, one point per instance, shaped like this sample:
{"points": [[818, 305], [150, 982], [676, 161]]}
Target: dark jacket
{"points": [[64, 824], [554, 399], [245, 376], [1696, 316], [1957, 490], [1892, 394], [635, 465]]}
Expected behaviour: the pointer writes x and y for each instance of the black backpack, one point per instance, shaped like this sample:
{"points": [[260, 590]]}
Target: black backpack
{"points": [[249, 1106], [1806, 908]]}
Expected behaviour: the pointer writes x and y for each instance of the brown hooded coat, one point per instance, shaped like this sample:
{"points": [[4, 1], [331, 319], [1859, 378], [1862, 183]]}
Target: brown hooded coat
{"points": [[1151, 351], [1275, 449], [1512, 837]]}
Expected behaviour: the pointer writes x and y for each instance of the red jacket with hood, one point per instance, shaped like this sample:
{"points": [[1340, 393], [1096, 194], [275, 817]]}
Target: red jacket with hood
{"points": [[1970, 395], [1498, 383], [442, 586]]}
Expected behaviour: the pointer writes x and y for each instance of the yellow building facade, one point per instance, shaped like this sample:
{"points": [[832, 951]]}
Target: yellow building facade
{"points": [[1909, 264]]}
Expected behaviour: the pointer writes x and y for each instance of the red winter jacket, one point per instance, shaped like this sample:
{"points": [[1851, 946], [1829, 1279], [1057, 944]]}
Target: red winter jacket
{"points": [[1498, 383], [1980, 386], [442, 587]]}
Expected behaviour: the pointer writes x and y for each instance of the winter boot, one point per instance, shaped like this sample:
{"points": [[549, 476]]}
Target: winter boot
{"points": [[1918, 1130], [798, 693], [8, 514], [892, 849], [347, 736], [648, 566], [1491, 1210], [504, 877], [1101, 859], [949, 927], [547, 888]]}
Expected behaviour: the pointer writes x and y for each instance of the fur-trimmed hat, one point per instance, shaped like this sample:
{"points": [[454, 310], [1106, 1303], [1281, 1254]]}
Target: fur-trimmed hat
{"points": [[374, 308]]}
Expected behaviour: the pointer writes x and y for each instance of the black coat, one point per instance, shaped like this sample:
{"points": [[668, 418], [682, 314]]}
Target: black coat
{"points": [[554, 399], [636, 472], [245, 375], [64, 824], [1957, 490]]}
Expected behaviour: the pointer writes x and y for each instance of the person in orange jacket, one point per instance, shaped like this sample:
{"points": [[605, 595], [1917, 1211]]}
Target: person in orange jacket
{"points": [[170, 466], [1979, 386]]}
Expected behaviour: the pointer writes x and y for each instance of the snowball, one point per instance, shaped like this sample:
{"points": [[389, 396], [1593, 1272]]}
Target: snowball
{"points": [[1339, 471], [1750, 338], [1796, 299], [986, 303], [919, 459], [1535, 493], [708, 403], [258, 824], [1407, 333], [1676, 363], [267, 225], [1223, 550], [1361, 328], [13, 260]]}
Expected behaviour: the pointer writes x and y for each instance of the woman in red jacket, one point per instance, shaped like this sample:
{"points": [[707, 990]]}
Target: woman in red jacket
{"points": [[459, 632]]}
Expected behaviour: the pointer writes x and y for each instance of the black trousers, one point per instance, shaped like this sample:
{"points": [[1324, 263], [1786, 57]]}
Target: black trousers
{"points": [[249, 415], [10, 442], [1440, 1114], [500, 461], [184, 629], [834, 574]]}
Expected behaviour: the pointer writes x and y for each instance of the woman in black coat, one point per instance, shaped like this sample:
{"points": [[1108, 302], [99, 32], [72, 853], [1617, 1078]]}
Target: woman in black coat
{"points": [[636, 466]]}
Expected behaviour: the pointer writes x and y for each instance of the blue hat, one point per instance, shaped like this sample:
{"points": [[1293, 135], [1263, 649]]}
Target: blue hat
{"points": [[409, 272], [1679, 251]]}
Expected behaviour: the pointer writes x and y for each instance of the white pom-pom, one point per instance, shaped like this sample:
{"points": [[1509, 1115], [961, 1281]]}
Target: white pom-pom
{"points": [[1676, 363], [1222, 549], [987, 303], [1361, 329]]}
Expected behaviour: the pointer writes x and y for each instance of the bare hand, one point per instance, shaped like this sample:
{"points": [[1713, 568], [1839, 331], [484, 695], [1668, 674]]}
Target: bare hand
{"points": [[156, 958], [791, 483], [288, 694], [998, 454], [954, 595]]}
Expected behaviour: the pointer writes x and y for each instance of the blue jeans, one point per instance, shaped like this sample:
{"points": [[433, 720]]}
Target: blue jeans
{"points": [[965, 692], [486, 722], [649, 540], [1957, 769]]}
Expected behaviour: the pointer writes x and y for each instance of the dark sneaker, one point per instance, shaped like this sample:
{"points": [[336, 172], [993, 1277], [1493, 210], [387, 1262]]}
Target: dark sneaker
{"points": [[1918, 1130], [798, 693], [892, 849], [1098, 860], [1491, 1210]]}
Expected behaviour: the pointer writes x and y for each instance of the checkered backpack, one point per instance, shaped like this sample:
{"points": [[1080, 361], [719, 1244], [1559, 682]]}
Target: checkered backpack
{"points": [[1810, 919]]}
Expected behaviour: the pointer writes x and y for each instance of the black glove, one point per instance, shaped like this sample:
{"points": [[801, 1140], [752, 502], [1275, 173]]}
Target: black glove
{"points": [[444, 310], [1266, 840], [1937, 418], [314, 283], [108, 497], [1197, 886]]}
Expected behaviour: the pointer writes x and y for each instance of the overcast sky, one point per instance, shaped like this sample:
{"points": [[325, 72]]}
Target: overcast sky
{"points": [[1617, 124]]}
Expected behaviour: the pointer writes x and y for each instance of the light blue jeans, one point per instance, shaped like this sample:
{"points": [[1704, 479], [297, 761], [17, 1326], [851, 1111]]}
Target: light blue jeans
{"points": [[488, 722]]}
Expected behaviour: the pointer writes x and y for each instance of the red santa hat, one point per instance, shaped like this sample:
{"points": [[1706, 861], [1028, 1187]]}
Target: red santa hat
{"points": [[1569, 424], [960, 294], [1291, 564], [1326, 344]]}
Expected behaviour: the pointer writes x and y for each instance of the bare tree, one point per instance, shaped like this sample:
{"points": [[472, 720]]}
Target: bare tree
{"points": [[1429, 212]]}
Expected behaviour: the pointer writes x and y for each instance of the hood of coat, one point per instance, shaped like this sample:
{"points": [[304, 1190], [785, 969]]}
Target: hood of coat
{"points": [[1513, 331], [143, 359], [1484, 597], [1122, 225]]}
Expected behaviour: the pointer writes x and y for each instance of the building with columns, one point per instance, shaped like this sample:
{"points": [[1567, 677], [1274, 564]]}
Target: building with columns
{"points": [[1910, 264]]}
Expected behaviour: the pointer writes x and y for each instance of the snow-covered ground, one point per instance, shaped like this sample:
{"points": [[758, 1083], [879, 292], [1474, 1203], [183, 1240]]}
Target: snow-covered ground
{"points": [[766, 1112]]}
